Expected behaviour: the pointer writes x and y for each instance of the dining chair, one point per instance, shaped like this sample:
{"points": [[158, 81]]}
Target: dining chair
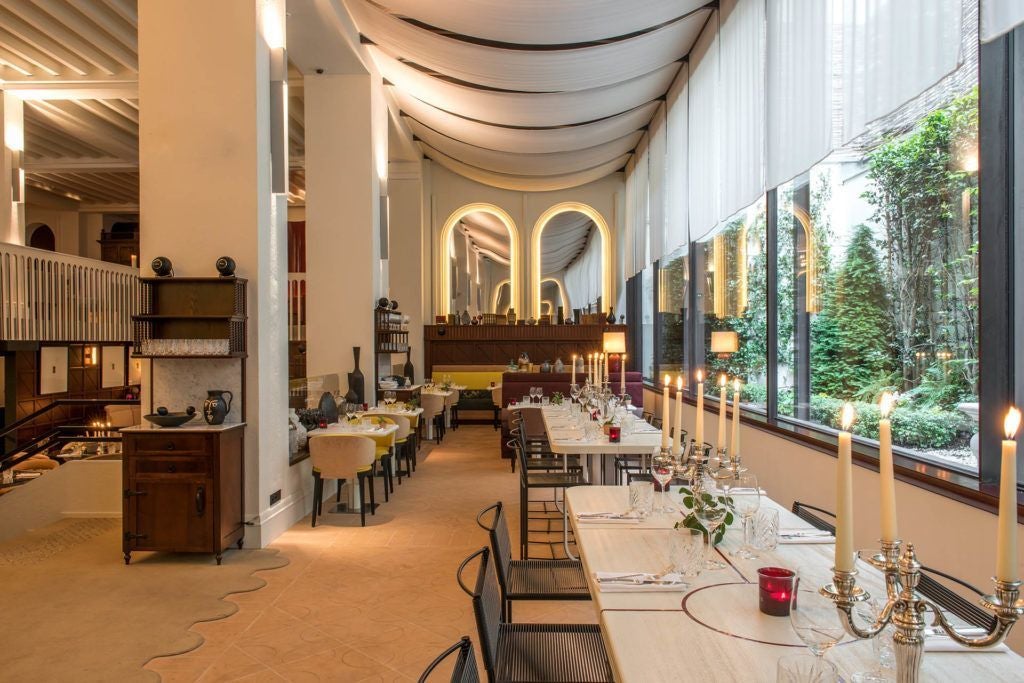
{"points": [[929, 586], [403, 443], [464, 670], [384, 452], [533, 479], [496, 399], [433, 410], [528, 652], [341, 457], [451, 401], [529, 579]]}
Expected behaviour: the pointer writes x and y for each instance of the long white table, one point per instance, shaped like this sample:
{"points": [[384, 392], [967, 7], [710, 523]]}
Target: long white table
{"points": [[714, 631]]}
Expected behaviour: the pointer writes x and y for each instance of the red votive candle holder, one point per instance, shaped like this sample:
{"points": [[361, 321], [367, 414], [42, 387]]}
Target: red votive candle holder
{"points": [[323, 424], [614, 434], [775, 590]]}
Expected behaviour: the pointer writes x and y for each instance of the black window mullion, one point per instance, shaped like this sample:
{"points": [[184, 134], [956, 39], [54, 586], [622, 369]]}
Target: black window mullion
{"points": [[771, 305]]}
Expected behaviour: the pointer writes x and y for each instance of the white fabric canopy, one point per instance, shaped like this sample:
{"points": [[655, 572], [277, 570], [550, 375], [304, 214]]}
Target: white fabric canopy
{"points": [[524, 183], [564, 238], [799, 92], [676, 162], [642, 197], [704, 129], [583, 277], [526, 140], [543, 22], [656, 171], [893, 50], [557, 163], [530, 109], [528, 70], [999, 17], [741, 79], [629, 268]]}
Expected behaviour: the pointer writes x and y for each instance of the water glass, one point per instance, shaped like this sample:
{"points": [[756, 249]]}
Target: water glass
{"points": [[687, 551], [641, 498], [545, 400], [800, 668], [766, 529]]}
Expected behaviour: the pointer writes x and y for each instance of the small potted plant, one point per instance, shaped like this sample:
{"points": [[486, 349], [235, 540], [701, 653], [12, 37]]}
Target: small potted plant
{"points": [[557, 399]]}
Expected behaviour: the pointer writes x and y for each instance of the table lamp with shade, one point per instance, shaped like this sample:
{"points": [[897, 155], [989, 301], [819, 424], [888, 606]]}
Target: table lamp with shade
{"points": [[614, 347], [724, 343]]}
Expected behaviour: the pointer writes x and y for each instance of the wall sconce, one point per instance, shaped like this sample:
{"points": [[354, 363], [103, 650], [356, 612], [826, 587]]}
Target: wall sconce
{"points": [[278, 120], [725, 343], [17, 176], [91, 355]]}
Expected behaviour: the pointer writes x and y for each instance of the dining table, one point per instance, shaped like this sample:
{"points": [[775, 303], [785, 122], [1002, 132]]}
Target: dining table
{"points": [[710, 628]]}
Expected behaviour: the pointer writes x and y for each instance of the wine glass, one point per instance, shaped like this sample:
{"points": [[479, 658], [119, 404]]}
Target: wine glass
{"points": [[350, 411], [813, 616], [574, 391], [711, 516], [662, 469], [746, 499]]}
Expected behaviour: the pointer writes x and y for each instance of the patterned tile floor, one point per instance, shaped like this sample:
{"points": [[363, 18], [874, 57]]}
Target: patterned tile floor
{"points": [[375, 603]]}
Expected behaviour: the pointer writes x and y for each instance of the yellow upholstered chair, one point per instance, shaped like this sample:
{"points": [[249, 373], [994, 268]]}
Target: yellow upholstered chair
{"points": [[451, 402], [433, 413], [384, 453], [403, 443], [345, 457]]}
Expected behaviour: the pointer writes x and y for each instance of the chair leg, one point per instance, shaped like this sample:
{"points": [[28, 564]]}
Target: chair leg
{"points": [[396, 464], [497, 418], [373, 496], [362, 500], [523, 520], [317, 488]]}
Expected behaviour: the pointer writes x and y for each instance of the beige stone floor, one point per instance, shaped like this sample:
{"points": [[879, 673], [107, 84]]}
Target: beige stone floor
{"points": [[375, 603]]}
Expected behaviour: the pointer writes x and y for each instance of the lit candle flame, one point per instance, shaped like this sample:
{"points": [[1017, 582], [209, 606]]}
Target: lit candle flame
{"points": [[722, 380], [700, 377], [1011, 423], [885, 404], [847, 416], [736, 384], [668, 380], [679, 383]]}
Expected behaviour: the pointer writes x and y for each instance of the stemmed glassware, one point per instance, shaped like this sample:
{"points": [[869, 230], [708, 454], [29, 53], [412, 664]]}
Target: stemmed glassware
{"points": [[663, 469], [814, 617], [350, 411], [574, 391], [746, 499], [710, 515]]}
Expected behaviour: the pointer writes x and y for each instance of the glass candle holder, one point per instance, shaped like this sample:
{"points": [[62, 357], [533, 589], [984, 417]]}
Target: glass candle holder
{"points": [[614, 434], [775, 588]]}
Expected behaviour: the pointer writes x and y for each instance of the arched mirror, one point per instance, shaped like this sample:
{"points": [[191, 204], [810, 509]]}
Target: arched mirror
{"points": [[479, 264], [571, 254]]}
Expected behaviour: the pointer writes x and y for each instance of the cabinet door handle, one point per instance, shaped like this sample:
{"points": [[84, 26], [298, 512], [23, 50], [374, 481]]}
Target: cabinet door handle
{"points": [[170, 446], [200, 500], [172, 467]]}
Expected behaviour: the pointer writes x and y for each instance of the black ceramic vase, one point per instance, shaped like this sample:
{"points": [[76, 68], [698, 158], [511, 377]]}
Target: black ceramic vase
{"points": [[328, 407], [355, 380], [408, 370], [215, 408]]}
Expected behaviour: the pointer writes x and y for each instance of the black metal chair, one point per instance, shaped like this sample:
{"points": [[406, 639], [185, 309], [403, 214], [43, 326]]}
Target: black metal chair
{"points": [[530, 579], [464, 670], [929, 586], [527, 652], [533, 479]]}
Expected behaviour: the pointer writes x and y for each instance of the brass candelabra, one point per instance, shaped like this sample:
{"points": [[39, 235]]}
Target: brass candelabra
{"points": [[905, 608]]}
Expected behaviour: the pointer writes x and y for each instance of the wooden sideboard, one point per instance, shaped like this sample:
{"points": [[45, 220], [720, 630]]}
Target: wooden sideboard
{"points": [[183, 489], [498, 344]]}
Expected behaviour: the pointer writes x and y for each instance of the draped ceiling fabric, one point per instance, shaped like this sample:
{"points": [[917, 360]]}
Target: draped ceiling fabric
{"points": [[564, 239], [677, 161], [999, 17], [703, 134], [533, 95]]}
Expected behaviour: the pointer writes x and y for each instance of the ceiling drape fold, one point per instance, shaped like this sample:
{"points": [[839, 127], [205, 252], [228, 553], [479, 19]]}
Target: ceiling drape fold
{"points": [[543, 22], [676, 162], [528, 70], [703, 133], [999, 17], [656, 173]]}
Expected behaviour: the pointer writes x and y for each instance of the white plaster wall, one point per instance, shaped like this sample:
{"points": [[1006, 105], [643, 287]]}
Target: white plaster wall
{"points": [[449, 191], [63, 223], [405, 205], [951, 536], [90, 227]]}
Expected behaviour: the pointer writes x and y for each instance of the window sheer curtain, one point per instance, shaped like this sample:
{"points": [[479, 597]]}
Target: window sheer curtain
{"points": [[799, 87], [703, 133], [656, 171], [676, 162], [583, 276], [893, 50], [629, 268], [999, 17], [742, 108], [642, 216]]}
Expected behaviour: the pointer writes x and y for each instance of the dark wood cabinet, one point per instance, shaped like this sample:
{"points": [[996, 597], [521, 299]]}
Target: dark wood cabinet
{"points": [[183, 489]]}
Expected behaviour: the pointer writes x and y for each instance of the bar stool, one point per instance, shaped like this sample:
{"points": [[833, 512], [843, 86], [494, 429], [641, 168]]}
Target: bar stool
{"points": [[342, 457], [433, 413]]}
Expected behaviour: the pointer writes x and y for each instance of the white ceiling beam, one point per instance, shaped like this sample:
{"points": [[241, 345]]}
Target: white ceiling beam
{"points": [[126, 108], [109, 208], [66, 13], [101, 135], [44, 186], [126, 9], [44, 42], [108, 115], [37, 130], [80, 164], [16, 61], [113, 23], [12, 43], [64, 34], [89, 186], [120, 87]]}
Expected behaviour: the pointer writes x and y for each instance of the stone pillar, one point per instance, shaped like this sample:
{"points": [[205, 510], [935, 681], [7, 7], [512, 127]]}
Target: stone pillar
{"points": [[346, 168], [12, 179], [205, 192]]}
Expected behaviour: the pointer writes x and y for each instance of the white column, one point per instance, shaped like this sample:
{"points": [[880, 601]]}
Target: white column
{"points": [[405, 190], [12, 177], [205, 192], [345, 115]]}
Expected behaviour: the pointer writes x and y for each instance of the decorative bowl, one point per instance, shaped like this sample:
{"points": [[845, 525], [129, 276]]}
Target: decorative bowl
{"points": [[170, 419]]}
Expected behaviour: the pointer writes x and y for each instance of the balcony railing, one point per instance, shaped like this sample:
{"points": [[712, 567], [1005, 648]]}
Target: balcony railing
{"points": [[47, 296], [296, 306]]}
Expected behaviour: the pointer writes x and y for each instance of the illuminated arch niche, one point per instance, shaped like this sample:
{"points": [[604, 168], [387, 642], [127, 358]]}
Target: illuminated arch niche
{"points": [[446, 236], [606, 251]]}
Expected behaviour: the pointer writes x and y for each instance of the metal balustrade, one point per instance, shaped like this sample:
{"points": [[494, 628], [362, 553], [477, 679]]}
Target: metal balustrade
{"points": [[48, 296]]}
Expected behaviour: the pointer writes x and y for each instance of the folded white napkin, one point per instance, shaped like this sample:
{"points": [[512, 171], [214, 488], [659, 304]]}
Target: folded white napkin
{"points": [[639, 582], [606, 518], [943, 643], [804, 536]]}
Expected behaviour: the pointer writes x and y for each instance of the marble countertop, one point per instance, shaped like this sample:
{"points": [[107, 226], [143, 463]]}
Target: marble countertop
{"points": [[187, 427]]}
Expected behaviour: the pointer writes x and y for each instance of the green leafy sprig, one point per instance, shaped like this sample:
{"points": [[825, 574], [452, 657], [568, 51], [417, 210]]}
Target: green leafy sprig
{"points": [[690, 501]]}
